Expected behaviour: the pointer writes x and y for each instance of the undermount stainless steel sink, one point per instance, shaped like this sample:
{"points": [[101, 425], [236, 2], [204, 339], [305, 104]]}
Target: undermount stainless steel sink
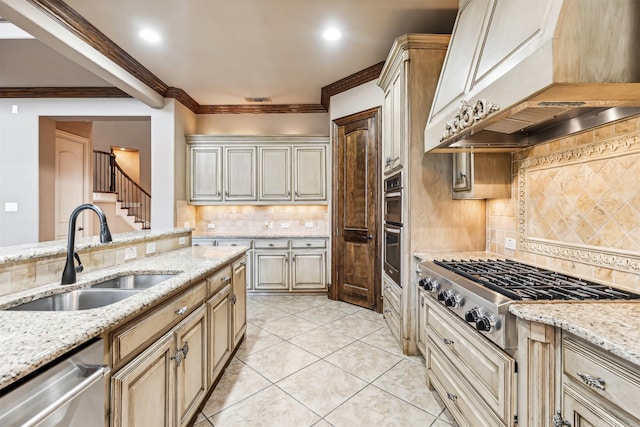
{"points": [[134, 281], [80, 299]]}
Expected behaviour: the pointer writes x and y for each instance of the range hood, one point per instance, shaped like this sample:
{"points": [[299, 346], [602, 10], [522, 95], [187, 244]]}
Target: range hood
{"points": [[531, 71]]}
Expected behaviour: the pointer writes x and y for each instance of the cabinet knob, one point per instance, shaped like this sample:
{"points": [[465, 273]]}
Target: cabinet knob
{"points": [[185, 349], [177, 357], [234, 299], [226, 194], [225, 279], [558, 421], [296, 193], [447, 341], [452, 397], [180, 311]]}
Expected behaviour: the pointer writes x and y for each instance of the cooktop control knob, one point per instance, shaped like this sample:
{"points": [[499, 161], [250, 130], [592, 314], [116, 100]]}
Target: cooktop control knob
{"points": [[424, 282], [442, 296], [432, 285], [472, 315], [485, 323], [452, 300]]}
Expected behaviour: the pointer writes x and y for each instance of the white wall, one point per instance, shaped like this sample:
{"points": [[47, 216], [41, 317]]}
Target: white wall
{"points": [[361, 98], [19, 170], [312, 124]]}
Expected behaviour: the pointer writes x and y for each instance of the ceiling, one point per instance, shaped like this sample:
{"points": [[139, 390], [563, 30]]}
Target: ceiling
{"points": [[221, 51]]}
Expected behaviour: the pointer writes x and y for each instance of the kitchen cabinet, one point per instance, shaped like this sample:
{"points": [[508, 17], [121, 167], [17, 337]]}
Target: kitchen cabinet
{"points": [[290, 265], [481, 176], [310, 173], [392, 136], [205, 174], [392, 306], [492, 39], [257, 169], [422, 321], [275, 171], [475, 379], [239, 300], [569, 380], [240, 174]]}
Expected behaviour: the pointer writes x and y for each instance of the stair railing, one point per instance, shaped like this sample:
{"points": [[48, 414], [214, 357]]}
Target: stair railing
{"points": [[108, 177]]}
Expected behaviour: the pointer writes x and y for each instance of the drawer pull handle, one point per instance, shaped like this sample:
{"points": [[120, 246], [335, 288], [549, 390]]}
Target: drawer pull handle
{"points": [[185, 349], [558, 421], [447, 341], [592, 381], [452, 397], [270, 244], [182, 310], [234, 299], [177, 357], [308, 244], [225, 279]]}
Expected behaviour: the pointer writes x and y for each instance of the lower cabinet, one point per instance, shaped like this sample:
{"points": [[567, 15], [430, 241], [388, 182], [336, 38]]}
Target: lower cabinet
{"points": [[422, 321], [164, 380], [392, 298]]}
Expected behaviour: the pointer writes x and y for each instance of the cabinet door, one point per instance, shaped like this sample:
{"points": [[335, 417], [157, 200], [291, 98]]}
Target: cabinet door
{"points": [[275, 173], [220, 339], [308, 270], [387, 131], [397, 120], [582, 411], [205, 174], [239, 300], [191, 337], [240, 173], [310, 173], [271, 270], [143, 392]]}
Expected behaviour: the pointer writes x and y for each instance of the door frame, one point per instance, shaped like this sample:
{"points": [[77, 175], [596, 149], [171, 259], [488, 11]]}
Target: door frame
{"points": [[375, 113]]}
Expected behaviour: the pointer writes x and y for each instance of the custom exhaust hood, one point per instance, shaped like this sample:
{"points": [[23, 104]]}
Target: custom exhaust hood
{"points": [[523, 72]]}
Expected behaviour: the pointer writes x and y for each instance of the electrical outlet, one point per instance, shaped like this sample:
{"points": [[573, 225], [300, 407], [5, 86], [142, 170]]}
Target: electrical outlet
{"points": [[308, 224], [11, 206], [151, 248], [211, 225], [509, 243], [130, 253], [182, 240], [285, 225]]}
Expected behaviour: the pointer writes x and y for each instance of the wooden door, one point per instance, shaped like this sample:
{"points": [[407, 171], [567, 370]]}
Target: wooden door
{"points": [[191, 338], [356, 254], [143, 392], [71, 182]]}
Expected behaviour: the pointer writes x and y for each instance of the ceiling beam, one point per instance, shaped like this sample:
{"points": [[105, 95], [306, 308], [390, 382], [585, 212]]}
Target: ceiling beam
{"points": [[62, 92]]}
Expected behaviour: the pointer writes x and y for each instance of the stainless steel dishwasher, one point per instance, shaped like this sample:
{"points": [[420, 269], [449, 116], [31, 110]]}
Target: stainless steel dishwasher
{"points": [[69, 393]]}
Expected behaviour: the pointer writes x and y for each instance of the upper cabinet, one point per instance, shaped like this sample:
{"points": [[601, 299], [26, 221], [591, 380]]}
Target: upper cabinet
{"points": [[256, 170]]}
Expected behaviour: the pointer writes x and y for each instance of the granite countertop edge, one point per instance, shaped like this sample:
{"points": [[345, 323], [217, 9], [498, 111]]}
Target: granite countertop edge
{"points": [[261, 236], [31, 339], [614, 326]]}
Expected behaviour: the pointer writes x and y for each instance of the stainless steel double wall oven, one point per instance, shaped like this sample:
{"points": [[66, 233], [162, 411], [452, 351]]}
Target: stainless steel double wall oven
{"points": [[393, 227]]}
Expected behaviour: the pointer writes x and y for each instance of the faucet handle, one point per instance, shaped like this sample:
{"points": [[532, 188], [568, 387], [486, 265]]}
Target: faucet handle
{"points": [[80, 267]]}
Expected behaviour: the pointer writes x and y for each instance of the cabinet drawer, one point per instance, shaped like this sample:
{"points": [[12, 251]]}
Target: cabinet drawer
{"points": [[272, 244], [133, 335], [603, 373], [234, 242], [219, 279], [489, 370], [308, 243], [392, 293], [461, 401]]}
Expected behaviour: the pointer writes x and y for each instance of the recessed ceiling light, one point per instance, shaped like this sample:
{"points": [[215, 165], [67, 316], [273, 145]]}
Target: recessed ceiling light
{"points": [[149, 35], [332, 34]]}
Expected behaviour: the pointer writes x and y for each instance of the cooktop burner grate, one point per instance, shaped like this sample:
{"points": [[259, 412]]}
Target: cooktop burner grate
{"points": [[525, 282]]}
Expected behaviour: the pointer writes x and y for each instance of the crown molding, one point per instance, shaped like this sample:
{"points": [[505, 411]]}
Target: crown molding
{"points": [[184, 98], [261, 109], [349, 82], [62, 92]]}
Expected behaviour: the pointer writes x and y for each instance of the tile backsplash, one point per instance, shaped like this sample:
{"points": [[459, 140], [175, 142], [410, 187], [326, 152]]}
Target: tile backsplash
{"points": [[575, 205], [251, 220]]}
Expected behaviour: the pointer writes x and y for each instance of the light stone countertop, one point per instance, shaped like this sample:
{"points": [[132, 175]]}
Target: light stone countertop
{"points": [[58, 247], [261, 236], [29, 340], [431, 255], [612, 325]]}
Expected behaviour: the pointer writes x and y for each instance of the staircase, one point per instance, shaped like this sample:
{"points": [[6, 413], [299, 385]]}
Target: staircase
{"points": [[110, 179]]}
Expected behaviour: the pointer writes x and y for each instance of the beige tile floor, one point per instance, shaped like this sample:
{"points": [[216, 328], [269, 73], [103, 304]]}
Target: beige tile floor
{"points": [[310, 361]]}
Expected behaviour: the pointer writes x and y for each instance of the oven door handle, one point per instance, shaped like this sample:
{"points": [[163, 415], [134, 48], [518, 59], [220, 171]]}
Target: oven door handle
{"points": [[394, 194], [391, 230]]}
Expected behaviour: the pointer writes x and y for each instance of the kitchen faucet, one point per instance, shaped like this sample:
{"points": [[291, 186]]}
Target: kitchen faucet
{"points": [[69, 273]]}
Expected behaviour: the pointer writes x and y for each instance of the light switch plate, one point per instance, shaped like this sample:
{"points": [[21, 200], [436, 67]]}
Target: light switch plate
{"points": [[11, 206], [130, 253], [211, 225], [151, 247], [510, 243], [285, 225]]}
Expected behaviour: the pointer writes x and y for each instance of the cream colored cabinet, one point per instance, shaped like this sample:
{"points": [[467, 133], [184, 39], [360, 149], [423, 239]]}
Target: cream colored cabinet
{"points": [[239, 300], [393, 134], [475, 379], [143, 392], [392, 300], [205, 173], [275, 173], [191, 381], [240, 174], [308, 269], [310, 173], [219, 308], [256, 169], [272, 269]]}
